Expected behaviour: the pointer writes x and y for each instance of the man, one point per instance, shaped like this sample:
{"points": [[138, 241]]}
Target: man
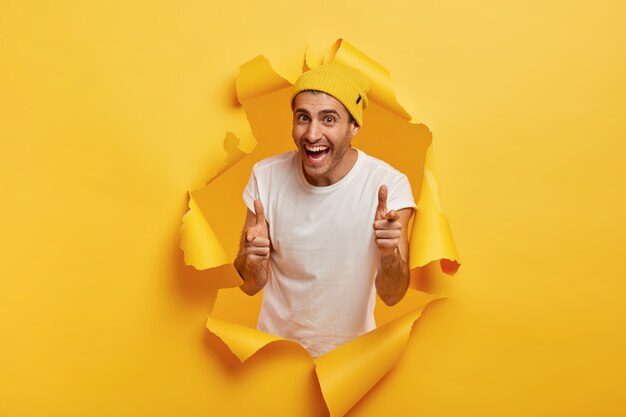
{"points": [[318, 235]]}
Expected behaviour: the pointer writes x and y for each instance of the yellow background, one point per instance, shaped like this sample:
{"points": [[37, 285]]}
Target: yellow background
{"points": [[110, 112]]}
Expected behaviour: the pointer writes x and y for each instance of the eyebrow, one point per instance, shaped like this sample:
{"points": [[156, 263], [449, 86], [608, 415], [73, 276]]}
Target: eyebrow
{"points": [[322, 112]]}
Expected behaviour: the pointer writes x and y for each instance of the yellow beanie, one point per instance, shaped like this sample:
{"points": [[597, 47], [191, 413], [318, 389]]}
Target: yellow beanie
{"points": [[344, 83]]}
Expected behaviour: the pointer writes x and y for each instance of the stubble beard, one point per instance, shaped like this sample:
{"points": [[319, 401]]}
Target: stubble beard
{"points": [[336, 157]]}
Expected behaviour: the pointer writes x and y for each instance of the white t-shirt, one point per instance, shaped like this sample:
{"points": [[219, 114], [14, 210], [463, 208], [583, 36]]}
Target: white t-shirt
{"points": [[321, 292]]}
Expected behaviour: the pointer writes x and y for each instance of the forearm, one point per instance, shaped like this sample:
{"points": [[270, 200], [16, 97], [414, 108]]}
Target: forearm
{"points": [[253, 274], [392, 279]]}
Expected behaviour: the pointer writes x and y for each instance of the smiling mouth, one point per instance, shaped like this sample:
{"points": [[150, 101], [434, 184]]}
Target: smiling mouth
{"points": [[316, 154]]}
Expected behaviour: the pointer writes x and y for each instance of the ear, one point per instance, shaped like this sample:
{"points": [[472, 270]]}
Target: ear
{"points": [[354, 128]]}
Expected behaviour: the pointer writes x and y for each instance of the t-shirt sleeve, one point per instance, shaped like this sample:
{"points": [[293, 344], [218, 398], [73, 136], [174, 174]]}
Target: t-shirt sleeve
{"points": [[251, 191], [400, 194]]}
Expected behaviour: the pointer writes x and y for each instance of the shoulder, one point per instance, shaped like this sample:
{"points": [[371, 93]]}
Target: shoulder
{"points": [[379, 166], [280, 162], [380, 172]]}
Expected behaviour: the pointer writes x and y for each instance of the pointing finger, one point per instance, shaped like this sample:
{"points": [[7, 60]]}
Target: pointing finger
{"points": [[260, 213], [382, 201]]}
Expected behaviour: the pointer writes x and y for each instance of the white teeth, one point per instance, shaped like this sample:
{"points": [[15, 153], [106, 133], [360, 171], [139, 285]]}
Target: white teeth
{"points": [[315, 148]]}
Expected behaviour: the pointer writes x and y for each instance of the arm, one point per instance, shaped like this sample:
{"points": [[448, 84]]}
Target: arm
{"points": [[252, 262], [390, 232]]}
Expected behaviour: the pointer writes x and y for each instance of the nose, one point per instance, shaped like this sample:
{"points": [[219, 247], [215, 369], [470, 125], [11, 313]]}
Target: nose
{"points": [[313, 132]]}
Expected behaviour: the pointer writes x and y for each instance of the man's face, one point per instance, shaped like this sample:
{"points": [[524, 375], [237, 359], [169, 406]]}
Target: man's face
{"points": [[323, 132]]}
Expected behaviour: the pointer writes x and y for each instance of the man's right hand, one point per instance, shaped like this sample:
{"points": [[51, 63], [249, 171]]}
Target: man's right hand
{"points": [[253, 260], [256, 244]]}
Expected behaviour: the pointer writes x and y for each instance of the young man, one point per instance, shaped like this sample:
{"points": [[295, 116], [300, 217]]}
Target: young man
{"points": [[327, 224]]}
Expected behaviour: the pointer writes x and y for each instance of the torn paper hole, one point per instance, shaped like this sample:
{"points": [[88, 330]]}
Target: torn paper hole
{"points": [[211, 231]]}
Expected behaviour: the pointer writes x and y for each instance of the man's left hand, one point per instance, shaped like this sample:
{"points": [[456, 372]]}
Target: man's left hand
{"points": [[387, 225]]}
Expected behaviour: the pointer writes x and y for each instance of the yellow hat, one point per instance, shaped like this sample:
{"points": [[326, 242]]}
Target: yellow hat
{"points": [[344, 83]]}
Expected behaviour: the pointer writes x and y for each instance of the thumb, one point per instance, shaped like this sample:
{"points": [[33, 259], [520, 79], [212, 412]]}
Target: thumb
{"points": [[381, 210]]}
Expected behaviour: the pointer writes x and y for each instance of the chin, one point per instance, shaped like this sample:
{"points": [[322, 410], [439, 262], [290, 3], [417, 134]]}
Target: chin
{"points": [[315, 172]]}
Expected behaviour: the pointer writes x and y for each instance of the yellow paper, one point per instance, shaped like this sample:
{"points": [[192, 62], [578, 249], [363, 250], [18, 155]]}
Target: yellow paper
{"points": [[243, 341], [431, 236], [345, 374], [211, 231], [381, 88], [198, 241], [257, 78]]}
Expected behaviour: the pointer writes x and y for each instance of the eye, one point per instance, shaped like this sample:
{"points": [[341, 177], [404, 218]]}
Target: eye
{"points": [[302, 117], [329, 120]]}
